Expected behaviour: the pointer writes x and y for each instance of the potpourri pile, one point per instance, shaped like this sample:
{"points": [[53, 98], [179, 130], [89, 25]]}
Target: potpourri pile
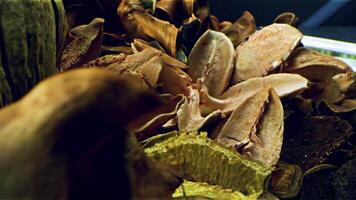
{"points": [[212, 109]]}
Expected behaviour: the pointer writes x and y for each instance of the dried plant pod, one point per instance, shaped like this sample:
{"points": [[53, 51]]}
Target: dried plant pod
{"points": [[140, 24], [84, 45], [145, 125], [284, 85], [241, 29], [309, 64], [211, 60], [189, 115], [265, 50], [255, 128], [287, 18], [195, 157], [286, 180]]}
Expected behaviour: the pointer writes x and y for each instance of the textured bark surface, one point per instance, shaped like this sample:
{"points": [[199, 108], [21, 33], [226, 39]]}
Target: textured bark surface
{"points": [[29, 34]]}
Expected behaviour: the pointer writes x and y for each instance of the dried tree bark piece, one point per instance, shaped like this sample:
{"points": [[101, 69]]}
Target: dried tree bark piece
{"points": [[211, 59], [241, 29], [311, 140], [84, 45], [255, 128], [145, 125], [287, 18], [265, 50], [140, 24], [284, 85], [189, 115], [309, 64]]}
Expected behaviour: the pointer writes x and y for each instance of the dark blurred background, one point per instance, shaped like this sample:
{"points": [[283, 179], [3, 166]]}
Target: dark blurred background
{"points": [[335, 19]]}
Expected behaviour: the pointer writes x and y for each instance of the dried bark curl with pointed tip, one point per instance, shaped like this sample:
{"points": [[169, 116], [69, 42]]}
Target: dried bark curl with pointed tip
{"points": [[241, 29], [212, 60], [84, 46], [265, 51], [287, 18], [140, 24]]}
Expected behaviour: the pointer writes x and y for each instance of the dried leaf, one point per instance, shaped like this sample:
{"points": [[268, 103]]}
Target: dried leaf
{"points": [[84, 45], [145, 125], [309, 64], [140, 24], [283, 84], [287, 18], [241, 29], [189, 115], [255, 128], [212, 60], [264, 51]]}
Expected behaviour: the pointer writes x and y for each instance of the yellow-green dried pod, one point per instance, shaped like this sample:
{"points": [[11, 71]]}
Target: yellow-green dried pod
{"points": [[197, 158], [29, 34]]}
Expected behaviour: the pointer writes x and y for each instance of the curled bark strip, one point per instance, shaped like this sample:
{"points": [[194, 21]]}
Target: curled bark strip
{"points": [[241, 29], [85, 45], [140, 24]]}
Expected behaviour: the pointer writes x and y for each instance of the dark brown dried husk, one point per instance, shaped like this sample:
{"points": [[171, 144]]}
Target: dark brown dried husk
{"points": [[287, 18], [311, 140]]}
